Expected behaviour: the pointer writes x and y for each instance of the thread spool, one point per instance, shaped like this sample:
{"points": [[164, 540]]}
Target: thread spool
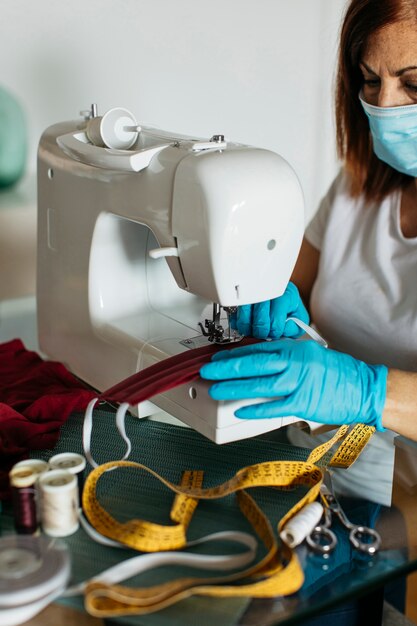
{"points": [[33, 572], [22, 482], [73, 463], [302, 524], [117, 129], [36, 465], [59, 503], [39, 467]]}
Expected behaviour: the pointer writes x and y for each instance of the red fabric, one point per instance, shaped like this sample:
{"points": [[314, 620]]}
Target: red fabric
{"points": [[36, 398], [172, 372]]}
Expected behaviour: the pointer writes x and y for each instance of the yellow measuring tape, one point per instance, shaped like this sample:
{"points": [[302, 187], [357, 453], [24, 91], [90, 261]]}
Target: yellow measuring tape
{"points": [[277, 573]]}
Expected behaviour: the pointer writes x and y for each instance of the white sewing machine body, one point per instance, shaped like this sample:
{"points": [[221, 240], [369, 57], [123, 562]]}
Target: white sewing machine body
{"points": [[228, 219]]}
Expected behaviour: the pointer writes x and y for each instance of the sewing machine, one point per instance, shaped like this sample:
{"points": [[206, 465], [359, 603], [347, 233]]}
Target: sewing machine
{"points": [[144, 251]]}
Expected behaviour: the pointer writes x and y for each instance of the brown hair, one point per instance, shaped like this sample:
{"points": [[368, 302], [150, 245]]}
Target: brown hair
{"points": [[369, 175]]}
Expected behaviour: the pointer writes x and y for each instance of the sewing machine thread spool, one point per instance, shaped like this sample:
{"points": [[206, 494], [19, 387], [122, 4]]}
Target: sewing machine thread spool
{"points": [[73, 463], [59, 503], [116, 129], [22, 482]]}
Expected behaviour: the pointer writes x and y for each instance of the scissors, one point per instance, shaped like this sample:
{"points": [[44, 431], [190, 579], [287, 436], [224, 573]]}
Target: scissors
{"points": [[323, 540]]}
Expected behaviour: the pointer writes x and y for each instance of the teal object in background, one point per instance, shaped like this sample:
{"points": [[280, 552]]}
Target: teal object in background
{"points": [[13, 139]]}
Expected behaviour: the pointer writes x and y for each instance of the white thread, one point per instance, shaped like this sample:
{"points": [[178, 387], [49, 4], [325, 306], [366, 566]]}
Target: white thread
{"points": [[59, 503], [302, 524]]}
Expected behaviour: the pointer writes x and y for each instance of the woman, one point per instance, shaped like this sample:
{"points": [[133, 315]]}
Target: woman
{"points": [[357, 267]]}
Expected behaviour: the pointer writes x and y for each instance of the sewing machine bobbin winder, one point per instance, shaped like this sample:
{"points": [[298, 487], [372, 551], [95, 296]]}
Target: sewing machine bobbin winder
{"points": [[143, 252]]}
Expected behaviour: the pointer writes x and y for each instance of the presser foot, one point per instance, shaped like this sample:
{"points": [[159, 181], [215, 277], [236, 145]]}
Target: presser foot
{"points": [[217, 332]]}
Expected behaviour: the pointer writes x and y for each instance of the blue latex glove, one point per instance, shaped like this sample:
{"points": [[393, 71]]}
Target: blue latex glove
{"points": [[269, 318], [303, 379]]}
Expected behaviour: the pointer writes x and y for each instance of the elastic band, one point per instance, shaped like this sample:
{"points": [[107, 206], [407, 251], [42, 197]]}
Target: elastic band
{"points": [[88, 428], [138, 564], [309, 331]]}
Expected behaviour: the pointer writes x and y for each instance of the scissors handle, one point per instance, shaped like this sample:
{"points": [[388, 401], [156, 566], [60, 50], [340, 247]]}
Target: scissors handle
{"points": [[364, 539], [322, 540]]}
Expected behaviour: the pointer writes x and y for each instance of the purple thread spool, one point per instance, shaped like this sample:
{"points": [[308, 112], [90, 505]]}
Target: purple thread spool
{"points": [[39, 467], [22, 482]]}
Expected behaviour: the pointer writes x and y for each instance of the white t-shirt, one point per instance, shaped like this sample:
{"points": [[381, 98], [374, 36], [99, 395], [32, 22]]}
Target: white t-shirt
{"points": [[364, 300]]}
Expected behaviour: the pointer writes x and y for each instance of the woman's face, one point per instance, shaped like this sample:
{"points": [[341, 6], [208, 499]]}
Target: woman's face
{"points": [[389, 66]]}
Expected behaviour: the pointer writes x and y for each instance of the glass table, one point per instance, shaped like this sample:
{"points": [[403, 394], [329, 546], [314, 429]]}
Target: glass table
{"points": [[332, 582]]}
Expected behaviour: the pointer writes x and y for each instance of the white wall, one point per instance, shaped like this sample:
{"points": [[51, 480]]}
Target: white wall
{"points": [[258, 71]]}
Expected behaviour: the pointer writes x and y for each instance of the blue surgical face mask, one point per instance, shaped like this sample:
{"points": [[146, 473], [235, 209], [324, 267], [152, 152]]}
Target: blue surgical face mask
{"points": [[394, 134]]}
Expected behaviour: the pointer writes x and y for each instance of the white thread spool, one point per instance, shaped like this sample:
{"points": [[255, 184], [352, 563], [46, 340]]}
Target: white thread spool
{"points": [[73, 463], [36, 465], [117, 129], [59, 503], [302, 524]]}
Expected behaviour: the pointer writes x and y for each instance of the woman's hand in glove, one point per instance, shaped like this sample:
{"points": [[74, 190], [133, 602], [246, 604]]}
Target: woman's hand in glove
{"points": [[301, 378], [269, 318]]}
